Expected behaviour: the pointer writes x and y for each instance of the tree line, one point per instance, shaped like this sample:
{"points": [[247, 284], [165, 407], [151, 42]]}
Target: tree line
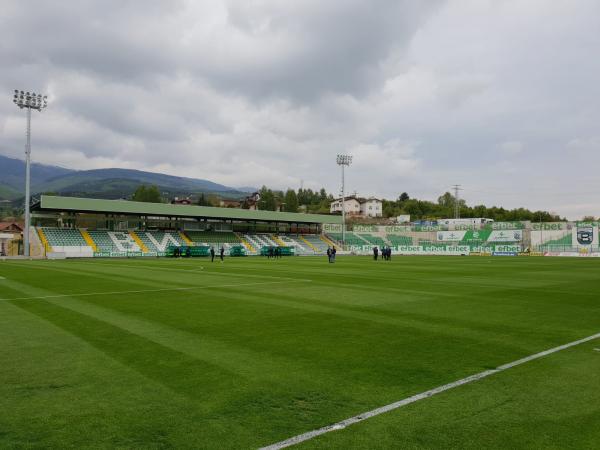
{"points": [[306, 200], [444, 208], [318, 202]]}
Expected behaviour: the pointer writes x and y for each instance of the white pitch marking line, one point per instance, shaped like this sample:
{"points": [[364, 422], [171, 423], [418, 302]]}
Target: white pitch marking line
{"points": [[141, 291], [423, 395]]}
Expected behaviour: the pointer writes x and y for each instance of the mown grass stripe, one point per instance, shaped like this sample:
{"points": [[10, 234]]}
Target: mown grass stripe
{"points": [[423, 395], [141, 291]]}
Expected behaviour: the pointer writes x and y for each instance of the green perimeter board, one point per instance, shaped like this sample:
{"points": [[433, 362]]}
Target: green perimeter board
{"points": [[245, 353]]}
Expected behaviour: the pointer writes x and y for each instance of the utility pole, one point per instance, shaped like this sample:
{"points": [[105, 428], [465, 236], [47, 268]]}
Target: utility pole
{"points": [[456, 188]]}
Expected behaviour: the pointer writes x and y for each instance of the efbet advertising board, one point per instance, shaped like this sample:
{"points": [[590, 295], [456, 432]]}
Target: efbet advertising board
{"points": [[440, 249], [450, 236], [585, 234], [514, 235], [332, 228], [126, 254]]}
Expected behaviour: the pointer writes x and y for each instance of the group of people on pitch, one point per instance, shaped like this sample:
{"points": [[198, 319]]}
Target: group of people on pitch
{"points": [[221, 253], [386, 253], [331, 252], [274, 252]]}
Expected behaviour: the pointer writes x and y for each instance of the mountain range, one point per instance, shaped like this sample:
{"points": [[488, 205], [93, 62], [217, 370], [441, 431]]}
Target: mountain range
{"points": [[100, 183]]}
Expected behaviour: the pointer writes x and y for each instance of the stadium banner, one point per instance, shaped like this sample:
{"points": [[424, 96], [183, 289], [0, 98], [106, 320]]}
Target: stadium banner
{"points": [[574, 254], [505, 254], [365, 228], [332, 228], [585, 234], [394, 229], [451, 236], [506, 236], [430, 227], [126, 254], [417, 249], [551, 226], [507, 249], [387, 229], [507, 225]]}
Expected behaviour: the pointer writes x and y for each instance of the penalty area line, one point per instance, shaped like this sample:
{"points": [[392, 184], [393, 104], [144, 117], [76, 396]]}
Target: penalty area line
{"points": [[141, 291], [423, 395]]}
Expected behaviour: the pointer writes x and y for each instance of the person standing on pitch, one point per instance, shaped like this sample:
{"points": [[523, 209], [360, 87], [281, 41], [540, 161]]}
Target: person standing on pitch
{"points": [[333, 252], [222, 252], [329, 254], [375, 253], [212, 254]]}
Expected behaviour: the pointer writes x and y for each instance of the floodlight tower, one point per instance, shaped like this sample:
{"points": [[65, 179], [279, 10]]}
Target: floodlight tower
{"points": [[343, 161], [28, 100]]}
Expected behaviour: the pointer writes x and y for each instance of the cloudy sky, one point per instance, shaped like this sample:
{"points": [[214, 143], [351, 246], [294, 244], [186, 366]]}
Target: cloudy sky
{"points": [[500, 96]]}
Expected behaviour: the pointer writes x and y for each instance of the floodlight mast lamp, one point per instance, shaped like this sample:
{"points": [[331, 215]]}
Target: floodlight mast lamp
{"points": [[343, 161], [29, 101]]}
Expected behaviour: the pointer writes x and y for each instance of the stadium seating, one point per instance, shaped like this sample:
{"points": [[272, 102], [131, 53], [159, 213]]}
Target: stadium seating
{"points": [[425, 243], [209, 237], [159, 241], [560, 244], [67, 241], [259, 241], [396, 240], [103, 241], [64, 237], [351, 239], [316, 242], [374, 240], [294, 241], [114, 241], [216, 239]]}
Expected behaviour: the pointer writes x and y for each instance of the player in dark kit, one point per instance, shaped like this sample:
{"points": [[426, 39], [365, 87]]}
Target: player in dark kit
{"points": [[222, 253], [375, 253], [212, 254]]}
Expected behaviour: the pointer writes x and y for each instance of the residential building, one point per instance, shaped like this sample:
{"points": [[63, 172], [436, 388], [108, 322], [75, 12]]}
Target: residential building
{"points": [[366, 207]]}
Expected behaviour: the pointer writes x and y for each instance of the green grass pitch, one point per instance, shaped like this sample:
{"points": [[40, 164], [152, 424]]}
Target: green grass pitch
{"points": [[159, 353]]}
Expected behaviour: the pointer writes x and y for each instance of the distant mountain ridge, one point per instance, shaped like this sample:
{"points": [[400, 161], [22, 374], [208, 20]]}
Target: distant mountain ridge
{"points": [[102, 183]]}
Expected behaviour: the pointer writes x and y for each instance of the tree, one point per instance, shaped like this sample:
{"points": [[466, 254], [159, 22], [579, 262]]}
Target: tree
{"points": [[403, 197], [291, 201], [203, 201], [322, 194], [267, 200], [149, 194]]}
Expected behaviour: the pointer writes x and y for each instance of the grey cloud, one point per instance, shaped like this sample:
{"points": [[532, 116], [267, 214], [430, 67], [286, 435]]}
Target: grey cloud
{"points": [[425, 94]]}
